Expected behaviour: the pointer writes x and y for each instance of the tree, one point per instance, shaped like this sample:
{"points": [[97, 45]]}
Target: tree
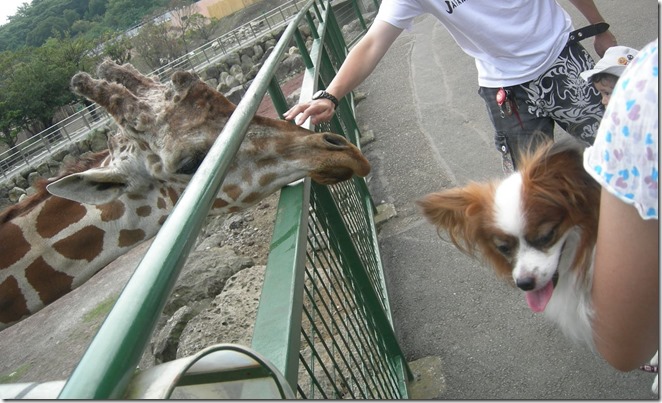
{"points": [[181, 12], [202, 27], [36, 83], [95, 8], [51, 26], [157, 45], [118, 48]]}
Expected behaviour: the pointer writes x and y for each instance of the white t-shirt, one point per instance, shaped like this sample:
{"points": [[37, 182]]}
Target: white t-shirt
{"points": [[513, 41]]}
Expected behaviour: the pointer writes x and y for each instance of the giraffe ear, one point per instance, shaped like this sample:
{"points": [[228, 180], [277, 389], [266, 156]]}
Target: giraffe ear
{"points": [[95, 186]]}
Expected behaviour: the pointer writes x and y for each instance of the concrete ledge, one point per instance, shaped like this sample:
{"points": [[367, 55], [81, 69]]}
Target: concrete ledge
{"points": [[429, 381]]}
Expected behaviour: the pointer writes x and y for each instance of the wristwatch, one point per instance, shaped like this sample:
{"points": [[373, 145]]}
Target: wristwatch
{"points": [[323, 94]]}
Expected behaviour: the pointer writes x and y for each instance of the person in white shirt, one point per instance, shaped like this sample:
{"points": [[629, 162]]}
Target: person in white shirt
{"points": [[527, 59]]}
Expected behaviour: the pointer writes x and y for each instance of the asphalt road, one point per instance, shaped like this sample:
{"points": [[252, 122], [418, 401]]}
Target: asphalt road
{"points": [[432, 132]]}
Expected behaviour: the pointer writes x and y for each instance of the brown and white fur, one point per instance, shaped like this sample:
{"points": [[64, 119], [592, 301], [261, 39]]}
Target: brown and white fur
{"points": [[537, 228]]}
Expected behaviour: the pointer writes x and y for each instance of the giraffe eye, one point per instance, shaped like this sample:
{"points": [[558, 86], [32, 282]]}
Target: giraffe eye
{"points": [[189, 165]]}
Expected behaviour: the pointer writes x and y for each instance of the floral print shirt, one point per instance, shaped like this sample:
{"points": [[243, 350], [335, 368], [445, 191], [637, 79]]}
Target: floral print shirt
{"points": [[623, 158]]}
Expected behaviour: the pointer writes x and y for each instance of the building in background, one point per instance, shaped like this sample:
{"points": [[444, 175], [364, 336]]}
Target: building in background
{"points": [[221, 8]]}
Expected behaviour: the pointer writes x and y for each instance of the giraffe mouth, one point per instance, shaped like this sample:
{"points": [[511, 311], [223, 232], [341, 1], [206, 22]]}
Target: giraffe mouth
{"points": [[332, 176], [341, 160]]}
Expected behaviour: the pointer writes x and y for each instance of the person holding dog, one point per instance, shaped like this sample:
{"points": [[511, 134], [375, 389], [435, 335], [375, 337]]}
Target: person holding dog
{"points": [[624, 160], [527, 55]]}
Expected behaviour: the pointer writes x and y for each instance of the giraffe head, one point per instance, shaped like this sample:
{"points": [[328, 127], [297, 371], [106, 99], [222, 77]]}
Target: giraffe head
{"points": [[166, 130], [111, 201]]}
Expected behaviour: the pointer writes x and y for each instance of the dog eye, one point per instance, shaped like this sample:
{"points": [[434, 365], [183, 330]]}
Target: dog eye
{"points": [[504, 249], [545, 239]]}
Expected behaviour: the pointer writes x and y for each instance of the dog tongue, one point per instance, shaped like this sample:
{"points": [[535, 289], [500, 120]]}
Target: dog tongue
{"points": [[538, 299]]}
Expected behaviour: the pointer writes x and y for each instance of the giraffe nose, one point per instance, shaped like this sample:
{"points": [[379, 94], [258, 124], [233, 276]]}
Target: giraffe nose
{"points": [[335, 140]]}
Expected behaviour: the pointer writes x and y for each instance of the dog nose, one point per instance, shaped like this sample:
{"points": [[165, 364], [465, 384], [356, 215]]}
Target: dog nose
{"points": [[526, 283]]}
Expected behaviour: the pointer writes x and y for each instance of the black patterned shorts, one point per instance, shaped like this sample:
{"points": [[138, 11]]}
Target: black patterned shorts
{"points": [[558, 96]]}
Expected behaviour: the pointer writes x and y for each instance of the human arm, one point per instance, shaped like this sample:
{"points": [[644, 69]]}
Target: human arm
{"points": [[625, 285], [590, 11], [358, 65]]}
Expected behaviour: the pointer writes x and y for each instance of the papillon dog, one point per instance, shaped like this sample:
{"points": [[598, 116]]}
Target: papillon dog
{"points": [[537, 228]]}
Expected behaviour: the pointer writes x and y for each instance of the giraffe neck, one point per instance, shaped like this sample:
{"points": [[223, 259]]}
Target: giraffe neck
{"points": [[56, 244]]}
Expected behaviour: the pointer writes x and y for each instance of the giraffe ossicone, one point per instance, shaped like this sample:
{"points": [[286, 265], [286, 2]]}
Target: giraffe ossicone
{"points": [[108, 202]]}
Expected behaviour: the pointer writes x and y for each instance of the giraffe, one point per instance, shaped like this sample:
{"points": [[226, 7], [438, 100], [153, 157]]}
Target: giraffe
{"points": [[107, 203]]}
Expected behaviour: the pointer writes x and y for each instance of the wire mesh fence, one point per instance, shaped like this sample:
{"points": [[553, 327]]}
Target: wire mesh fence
{"points": [[343, 355]]}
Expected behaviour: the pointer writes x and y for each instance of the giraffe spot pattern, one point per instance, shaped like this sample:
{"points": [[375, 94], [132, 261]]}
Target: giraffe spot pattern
{"points": [[233, 191], [56, 215], [111, 211], [49, 283], [267, 179], [130, 237], [220, 203], [19, 245], [13, 305], [173, 195], [136, 196], [86, 244], [144, 211], [252, 197]]}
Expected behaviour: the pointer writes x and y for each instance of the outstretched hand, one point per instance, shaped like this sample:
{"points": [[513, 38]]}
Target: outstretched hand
{"points": [[319, 110]]}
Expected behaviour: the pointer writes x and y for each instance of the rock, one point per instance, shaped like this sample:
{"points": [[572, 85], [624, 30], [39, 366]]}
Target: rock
{"points": [[98, 141], [231, 59], [33, 177], [291, 65], [21, 180], [236, 69], [235, 94], [166, 342], [212, 82], [204, 276], [15, 194], [246, 63], [230, 317], [258, 52], [211, 72]]}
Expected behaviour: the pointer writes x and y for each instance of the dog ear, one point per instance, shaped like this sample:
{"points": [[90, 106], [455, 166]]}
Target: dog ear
{"points": [[459, 212]]}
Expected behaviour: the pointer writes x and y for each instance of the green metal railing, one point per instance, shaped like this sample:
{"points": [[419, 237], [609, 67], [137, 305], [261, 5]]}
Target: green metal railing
{"points": [[323, 319]]}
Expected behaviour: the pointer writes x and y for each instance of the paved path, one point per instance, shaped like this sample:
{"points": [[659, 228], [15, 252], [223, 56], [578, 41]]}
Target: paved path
{"points": [[432, 132]]}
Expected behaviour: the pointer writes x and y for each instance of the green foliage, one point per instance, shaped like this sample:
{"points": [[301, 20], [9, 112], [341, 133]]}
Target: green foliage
{"points": [[118, 49], [35, 82]]}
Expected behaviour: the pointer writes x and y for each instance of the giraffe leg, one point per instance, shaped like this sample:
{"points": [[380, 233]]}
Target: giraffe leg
{"points": [[127, 109]]}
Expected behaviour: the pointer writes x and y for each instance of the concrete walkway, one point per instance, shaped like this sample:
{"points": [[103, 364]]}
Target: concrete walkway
{"points": [[432, 132]]}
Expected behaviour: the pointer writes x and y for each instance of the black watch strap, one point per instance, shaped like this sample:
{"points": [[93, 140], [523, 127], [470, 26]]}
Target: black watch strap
{"points": [[326, 95]]}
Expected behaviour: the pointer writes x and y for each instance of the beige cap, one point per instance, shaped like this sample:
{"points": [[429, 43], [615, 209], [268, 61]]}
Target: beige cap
{"points": [[614, 62]]}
